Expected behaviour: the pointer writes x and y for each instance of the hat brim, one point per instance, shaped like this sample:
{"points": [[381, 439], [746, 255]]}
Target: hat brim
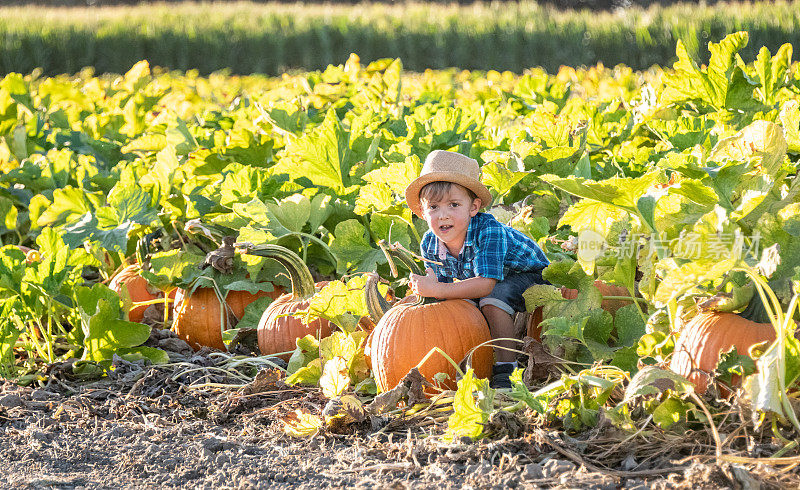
{"points": [[412, 191]]}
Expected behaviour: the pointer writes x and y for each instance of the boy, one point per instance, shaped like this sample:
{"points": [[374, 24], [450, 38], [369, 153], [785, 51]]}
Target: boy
{"points": [[493, 263]]}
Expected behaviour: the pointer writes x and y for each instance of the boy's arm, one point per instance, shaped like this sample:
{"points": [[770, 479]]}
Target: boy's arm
{"points": [[429, 285]]}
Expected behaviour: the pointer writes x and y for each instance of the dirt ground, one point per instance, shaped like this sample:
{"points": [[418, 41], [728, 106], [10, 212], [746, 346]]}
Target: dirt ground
{"points": [[175, 426]]}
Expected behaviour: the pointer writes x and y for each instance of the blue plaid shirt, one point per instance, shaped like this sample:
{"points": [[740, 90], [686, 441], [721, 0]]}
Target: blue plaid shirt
{"points": [[491, 249]]}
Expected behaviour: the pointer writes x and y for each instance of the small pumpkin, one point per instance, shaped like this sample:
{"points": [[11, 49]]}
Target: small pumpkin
{"points": [[708, 334], [278, 330], [534, 319], [129, 281], [409, 330], [607, 290], [198, 316]]}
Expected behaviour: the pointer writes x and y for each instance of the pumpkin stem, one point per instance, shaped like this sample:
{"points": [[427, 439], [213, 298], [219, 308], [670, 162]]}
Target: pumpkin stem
{"points": [[377, 306], [302, 281], [397, 252]]}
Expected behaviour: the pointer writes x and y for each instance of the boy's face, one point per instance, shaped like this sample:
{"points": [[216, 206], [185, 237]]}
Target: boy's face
{"points": [[449, 217]]}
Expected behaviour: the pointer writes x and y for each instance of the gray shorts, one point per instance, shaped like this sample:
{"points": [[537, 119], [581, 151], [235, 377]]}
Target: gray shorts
{"points": [[507, 294]]}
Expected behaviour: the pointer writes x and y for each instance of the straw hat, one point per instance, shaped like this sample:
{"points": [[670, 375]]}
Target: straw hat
{"points": [[447, 166]]}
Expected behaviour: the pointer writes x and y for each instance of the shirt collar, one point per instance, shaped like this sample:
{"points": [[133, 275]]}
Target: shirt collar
{"points": [[441, 248]]}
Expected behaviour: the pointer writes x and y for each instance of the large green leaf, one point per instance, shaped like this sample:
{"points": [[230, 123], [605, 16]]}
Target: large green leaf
{"points": [[722, 85], [618, 191], [105, 332], [772, 72], [501, 174], [353, 249], [761, 140], [68, 204], [322, 156], [342, 303], [131, 205], [292, 212], [790, 120]]}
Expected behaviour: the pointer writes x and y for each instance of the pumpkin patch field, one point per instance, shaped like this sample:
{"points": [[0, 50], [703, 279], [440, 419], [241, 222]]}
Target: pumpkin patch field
{"points": [[204, 280]]}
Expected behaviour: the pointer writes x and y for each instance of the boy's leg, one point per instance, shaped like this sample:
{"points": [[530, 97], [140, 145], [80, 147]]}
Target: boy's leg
{"points": [[499, 308], [501, 325]]}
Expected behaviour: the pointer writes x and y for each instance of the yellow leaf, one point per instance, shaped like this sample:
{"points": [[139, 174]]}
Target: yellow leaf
{"points": [[335, 378], [301, 424], [338, 344]]}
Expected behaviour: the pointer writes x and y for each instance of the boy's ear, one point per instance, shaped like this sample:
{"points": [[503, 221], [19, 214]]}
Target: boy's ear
{"points": [[476, 206]]}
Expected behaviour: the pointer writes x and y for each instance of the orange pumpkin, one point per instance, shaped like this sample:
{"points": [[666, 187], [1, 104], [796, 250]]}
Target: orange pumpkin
{"points": [[707, 335], [128, 281], [407, 332], [606, 289], [534, 325], [278, 330], [198, 316], [534, 328]]}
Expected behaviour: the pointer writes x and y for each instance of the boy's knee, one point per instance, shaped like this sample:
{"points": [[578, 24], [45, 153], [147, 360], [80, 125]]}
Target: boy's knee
{"points": [[492, 306]]}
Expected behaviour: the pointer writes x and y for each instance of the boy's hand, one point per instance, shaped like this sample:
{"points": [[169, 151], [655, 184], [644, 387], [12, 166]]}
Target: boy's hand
{"points": [[427, 285]]}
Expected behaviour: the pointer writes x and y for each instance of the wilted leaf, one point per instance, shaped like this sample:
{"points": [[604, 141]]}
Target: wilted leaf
{"points": [[301, 424], [342, 411], [472, 405], [763, 388], [335, 377]]}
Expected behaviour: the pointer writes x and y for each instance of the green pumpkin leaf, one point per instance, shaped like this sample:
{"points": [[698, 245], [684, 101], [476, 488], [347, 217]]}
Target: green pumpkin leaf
{"points": [[722, 85], [307, 350], [292, 212], [308, 375], [105, 331], [253, 313], [322, 156], [341, 303], [651, 380], [521, 393], [154, 355], [132, 204], [502, 172], [629, 324], [762, 140], [731, 364], [790, 120], [621, 192], [772, 72], [68, 205], [626, 359], [671, 411], [167, 268], [353, 249]]}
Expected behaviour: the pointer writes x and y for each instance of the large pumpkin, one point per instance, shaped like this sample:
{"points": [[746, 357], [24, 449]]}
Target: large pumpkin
{"points": [[707, 335], [198, 317], [407, 332], [278, 329], [129, 281]]}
